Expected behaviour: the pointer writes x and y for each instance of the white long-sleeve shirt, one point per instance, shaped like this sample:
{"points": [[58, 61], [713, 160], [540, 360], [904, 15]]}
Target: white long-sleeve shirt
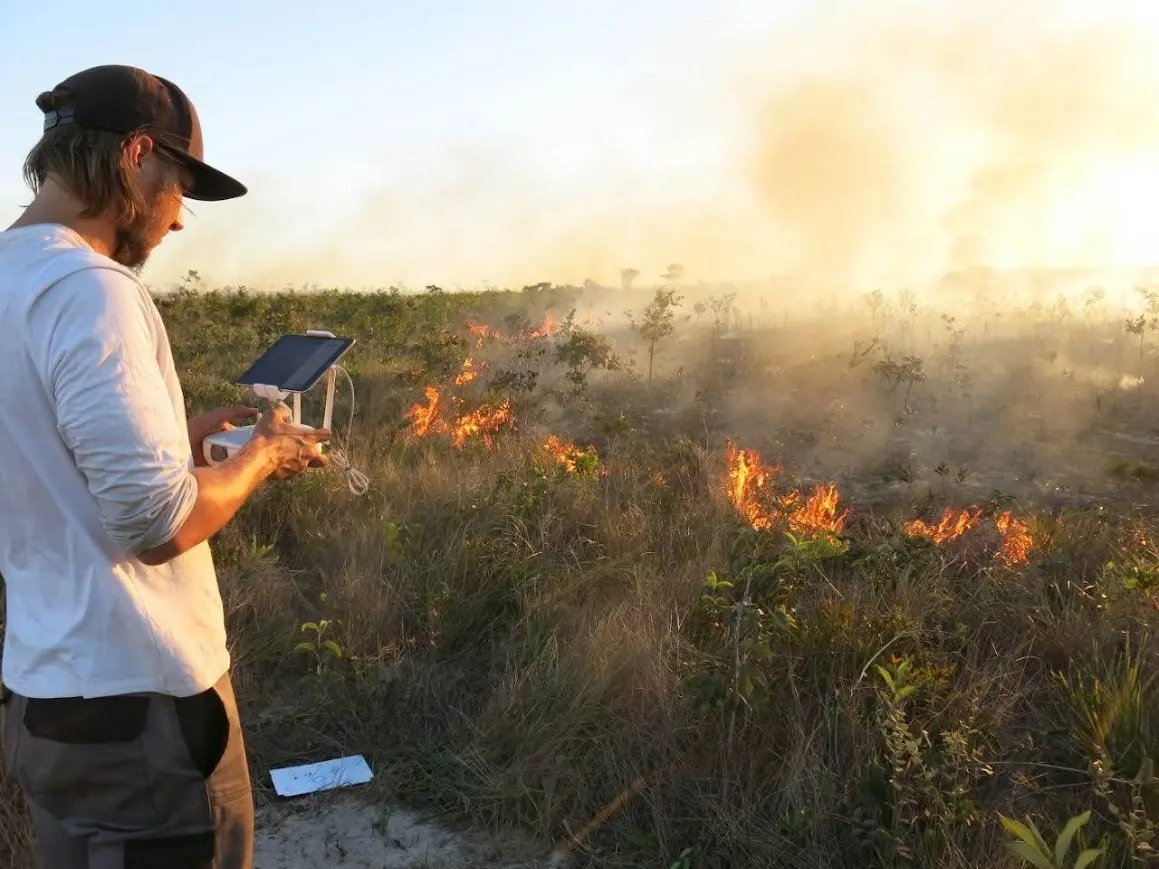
{"points": [[95, 467]]}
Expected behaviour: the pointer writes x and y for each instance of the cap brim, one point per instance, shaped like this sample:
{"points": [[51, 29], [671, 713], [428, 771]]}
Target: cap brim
{"points": [[209, 184]]}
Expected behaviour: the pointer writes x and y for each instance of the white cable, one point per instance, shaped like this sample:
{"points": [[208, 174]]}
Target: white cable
{"points": [[356, 480]]}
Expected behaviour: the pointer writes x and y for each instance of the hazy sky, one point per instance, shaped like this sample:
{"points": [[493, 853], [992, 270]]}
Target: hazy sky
{"points": [[511, 142]]}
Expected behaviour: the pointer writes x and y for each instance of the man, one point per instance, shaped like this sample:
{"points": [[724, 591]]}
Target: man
{"points": [[120, 725]]}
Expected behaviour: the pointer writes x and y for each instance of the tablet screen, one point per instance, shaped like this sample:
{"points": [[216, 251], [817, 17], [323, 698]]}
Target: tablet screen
{"points": [[295, 362]]}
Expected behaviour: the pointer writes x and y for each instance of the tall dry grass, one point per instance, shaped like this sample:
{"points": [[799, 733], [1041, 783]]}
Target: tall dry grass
{"points": [[520, 644]]}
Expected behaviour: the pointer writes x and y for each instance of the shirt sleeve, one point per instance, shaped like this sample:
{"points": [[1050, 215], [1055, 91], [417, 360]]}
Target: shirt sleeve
{"points": [[98, 352]]}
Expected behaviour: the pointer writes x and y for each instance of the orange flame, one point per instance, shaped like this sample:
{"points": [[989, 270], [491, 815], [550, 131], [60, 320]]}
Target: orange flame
{"points": [[1016, 539], [564, 452], [425, 418], [467, 373], [550, 327], [568, 456], [749, 482], [482, 332], [748, 477], [484, 421], [952, 525], [817, 513]]}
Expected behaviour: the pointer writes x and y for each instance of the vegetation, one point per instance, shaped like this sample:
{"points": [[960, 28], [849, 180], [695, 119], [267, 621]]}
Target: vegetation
{"points": [[792, 605]]}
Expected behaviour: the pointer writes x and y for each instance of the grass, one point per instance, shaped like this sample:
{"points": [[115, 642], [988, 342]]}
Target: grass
{"points": [[522, 637]]}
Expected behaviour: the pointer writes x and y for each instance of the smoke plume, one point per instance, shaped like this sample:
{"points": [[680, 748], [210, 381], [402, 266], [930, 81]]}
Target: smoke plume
{"points": [[887, 142]]}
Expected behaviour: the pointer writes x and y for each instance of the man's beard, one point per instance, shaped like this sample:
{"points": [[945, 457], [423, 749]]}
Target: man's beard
{"points": [[132, 247], [135, 242]]}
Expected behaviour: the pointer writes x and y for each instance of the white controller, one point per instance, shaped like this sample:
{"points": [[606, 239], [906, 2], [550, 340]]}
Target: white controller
{"points": [[224, 445]]}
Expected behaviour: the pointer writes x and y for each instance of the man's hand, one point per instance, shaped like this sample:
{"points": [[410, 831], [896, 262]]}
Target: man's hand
{"points": [[292, 448], [213, 421]]}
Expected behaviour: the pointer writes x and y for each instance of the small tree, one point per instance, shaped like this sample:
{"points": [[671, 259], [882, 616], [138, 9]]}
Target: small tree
{"points": [[908, 371], [722, 312], [1145, 322], [582, 351], [627, 276], [657, 323]]}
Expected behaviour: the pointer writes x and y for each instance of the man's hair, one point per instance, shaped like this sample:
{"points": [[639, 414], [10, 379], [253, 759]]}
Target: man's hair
{"points": [[93, 165]]}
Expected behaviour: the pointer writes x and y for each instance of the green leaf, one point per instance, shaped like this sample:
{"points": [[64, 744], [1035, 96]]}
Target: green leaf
{"points": [[305, 647], [1062, 845], [1087, 857], [1028, 835], [333, 648], [309, 626], [1029, 854], [1039, 841], [885, 675]]}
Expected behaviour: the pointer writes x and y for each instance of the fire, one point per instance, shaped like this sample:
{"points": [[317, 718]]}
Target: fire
{"points": [[749, 481], [482, 332], [952, 525], [467, 373], [1015, 533], [441, 414], [749, 491], [425, 419], [1016, 539], [748, 477], [483, 421], [817, 513], [550, 327], [563, 452], [571, 458]]}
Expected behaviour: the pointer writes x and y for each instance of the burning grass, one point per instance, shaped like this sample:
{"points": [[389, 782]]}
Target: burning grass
{"points": [[750, 484], [461, 427], [555, 599], [952, 525]]}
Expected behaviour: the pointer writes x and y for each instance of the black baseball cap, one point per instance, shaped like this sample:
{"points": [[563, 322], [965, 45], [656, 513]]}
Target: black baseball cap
{"points": [[125, 99]]}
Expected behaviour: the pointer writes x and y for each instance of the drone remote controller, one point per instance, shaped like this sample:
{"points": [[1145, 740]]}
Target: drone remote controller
{"points": [[290, 367], [223, 445]]}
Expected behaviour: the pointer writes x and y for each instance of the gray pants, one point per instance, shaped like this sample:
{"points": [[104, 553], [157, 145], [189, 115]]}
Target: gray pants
{"points": [[133, 781]]}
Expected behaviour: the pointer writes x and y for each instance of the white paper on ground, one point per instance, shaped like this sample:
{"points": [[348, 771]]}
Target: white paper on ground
{"points": [[293, 781]]}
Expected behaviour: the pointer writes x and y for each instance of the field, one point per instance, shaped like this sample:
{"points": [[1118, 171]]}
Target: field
{"points": [[786, 581]]}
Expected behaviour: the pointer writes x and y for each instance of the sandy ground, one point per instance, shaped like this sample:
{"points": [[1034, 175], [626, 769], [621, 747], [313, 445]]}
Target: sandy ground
{"points": [[342, 828]]}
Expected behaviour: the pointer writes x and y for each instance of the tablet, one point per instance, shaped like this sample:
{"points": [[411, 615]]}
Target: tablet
{"points": [[294, 363]]}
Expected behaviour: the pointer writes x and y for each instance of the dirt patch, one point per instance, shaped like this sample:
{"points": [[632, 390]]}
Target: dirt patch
{"points": [[346, 829]]}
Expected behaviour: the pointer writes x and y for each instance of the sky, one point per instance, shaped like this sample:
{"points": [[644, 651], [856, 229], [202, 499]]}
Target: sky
{"points": [[467, 144]]}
